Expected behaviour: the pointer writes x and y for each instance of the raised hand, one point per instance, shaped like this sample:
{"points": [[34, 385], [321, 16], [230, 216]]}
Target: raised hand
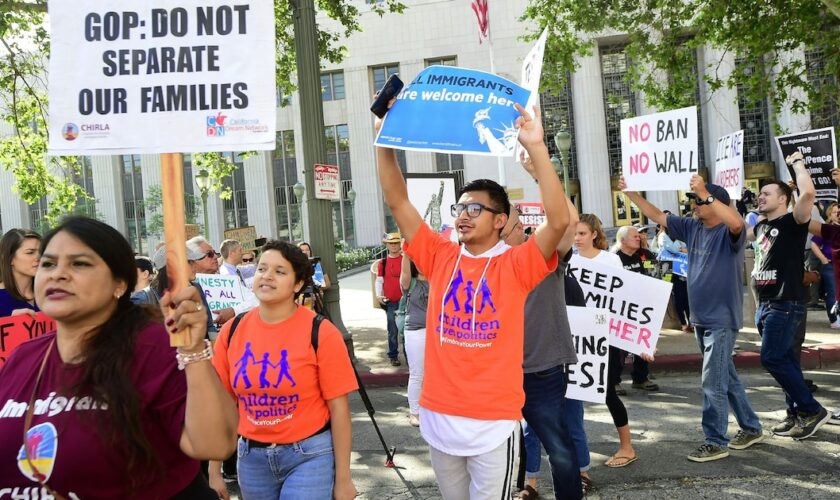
{"points": [[530, 128]]}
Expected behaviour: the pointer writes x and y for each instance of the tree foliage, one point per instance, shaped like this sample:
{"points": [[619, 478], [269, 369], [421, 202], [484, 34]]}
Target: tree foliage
{"points": [[662, 37], [24, 52]]}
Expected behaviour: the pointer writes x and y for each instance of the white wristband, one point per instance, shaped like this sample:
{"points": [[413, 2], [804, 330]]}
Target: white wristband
{"points": [[185, 359]]}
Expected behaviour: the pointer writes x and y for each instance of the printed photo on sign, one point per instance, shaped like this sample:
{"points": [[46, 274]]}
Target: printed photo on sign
{"points": [[161, 76], [637, 303], [433, 196], [659, 151], [455, 110], [590, 333], [819, 151], [729, 164]]}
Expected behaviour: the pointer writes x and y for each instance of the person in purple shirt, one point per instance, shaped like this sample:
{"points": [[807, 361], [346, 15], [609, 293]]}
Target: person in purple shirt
{"points": [[822, 249], [18, 262]]}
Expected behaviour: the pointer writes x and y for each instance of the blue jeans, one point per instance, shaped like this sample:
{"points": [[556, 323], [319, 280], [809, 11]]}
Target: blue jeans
{"points": [[393, 332], [777, 323], [573, 418], [722, 389], [828, 288], [545, 397], [305, 469]]}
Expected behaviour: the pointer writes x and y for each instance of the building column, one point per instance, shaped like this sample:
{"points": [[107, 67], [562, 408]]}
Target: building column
{"points": [[720, 114], [789, 121], [14, 212], [107, 184], [369, 212], [591, 139], [259, 184]]}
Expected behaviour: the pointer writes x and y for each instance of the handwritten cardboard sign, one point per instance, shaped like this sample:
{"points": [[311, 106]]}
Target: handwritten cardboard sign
{"points": [[15, 330], [659, 151], [819, 149], [590, 332], [729, 164], [246, 236], [636, 302], [221, 291]]}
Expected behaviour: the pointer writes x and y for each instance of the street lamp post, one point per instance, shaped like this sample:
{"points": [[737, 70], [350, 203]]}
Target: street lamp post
{"points": [[299, 191], [351, 195], [563, 141], [202, 180]]}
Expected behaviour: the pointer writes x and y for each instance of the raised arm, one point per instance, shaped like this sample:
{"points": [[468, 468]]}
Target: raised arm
{"points": [[569, 236], [395, 191], [405, 272], [727, 213], [805, 203], [550, 232], [651, 211]]}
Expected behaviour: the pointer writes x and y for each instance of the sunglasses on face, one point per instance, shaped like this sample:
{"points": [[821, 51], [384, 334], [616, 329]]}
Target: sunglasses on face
{"points": [[247, 260], [212, 254], [473, 209]]}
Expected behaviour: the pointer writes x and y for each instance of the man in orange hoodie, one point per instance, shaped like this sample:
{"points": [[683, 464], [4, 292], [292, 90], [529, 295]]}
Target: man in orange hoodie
{"points": [[473, 395]]}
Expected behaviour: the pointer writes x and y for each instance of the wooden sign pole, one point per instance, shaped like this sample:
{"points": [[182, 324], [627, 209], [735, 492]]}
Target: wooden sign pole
{"points": [[177, 267]]}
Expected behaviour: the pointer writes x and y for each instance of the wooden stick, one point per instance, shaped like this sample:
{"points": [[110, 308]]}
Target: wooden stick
{"points": [[177, 267]]}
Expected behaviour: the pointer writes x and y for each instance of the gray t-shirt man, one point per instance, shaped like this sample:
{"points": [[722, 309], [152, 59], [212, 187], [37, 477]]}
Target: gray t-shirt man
{"points": [[715, 272], [548, 338]]}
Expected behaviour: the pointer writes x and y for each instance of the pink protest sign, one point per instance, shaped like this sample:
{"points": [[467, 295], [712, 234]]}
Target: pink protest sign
{"points": [[659, 151]]}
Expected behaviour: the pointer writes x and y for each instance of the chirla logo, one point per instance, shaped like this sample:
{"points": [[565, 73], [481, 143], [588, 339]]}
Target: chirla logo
{"points": [[70, 131], [216, 125]]}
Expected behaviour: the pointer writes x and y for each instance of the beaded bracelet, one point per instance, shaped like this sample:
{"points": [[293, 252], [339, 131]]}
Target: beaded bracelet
{"points": [[185, 359]]}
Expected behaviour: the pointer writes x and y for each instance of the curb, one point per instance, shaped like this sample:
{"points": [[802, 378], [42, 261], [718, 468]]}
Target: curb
{"points": [[812, 358]]}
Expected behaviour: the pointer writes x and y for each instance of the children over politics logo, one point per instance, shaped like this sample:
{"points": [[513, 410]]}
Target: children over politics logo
{"points": [[216, 125], [36, 456]]}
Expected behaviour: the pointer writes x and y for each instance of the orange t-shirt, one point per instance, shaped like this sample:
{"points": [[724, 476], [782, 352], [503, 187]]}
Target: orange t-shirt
{"points": [[475, 369], [280, 385]]}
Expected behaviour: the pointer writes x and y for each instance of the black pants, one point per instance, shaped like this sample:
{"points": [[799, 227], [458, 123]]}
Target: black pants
{"points": [[614, 404]]}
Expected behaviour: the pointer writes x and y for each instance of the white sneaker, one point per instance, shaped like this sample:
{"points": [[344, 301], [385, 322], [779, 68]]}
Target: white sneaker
{"points": [[835, 325], [835, 418], [414, 420]]}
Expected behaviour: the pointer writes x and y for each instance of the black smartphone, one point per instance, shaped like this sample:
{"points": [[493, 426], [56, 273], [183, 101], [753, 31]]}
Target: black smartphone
{"points": [[388, 91]]}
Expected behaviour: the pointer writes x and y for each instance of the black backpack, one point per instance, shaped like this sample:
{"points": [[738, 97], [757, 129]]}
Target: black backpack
{"points": [[313, 337]]}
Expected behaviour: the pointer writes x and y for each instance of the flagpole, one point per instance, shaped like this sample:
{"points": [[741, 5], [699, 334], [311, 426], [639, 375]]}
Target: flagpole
{"points": [[500, 161]]}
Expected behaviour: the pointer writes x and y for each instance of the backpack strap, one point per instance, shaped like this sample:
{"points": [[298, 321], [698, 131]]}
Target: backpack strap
{"points": [[233, 326], [316, 325]]}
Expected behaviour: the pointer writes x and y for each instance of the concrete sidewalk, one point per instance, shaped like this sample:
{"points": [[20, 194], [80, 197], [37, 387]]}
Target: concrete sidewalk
{"points": [[677, 351]]}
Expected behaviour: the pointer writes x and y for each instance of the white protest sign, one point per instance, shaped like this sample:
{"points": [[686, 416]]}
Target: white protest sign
{"points": [[729, 164], [221, 291], [590, 332], [659, 151], [530, 76], [161, 76], [637, 302], [531, 214], [327, 183]]}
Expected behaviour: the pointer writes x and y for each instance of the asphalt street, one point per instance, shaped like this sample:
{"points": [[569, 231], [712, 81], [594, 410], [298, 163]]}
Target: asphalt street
{"points": [[665, 427]]}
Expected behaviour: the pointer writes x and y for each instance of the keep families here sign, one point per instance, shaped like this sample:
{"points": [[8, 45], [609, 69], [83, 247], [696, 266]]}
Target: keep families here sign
{"points": [[455, 110], [590, 333], [659, 151], [161, 76], [636, 303]]}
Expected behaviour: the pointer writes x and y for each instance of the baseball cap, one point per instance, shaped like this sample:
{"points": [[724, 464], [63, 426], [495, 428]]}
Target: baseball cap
{"points": [[718, 192]]}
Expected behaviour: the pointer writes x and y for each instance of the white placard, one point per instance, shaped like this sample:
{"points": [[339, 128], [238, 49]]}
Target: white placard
{"points": [[327, 183], [221, 291], [636, 302], [659, 151], [590, 332], [729, 164], [161, 76], [530, 77]]}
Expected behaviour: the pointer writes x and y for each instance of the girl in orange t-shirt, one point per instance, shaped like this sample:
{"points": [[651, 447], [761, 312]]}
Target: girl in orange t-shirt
{"points": [[294, 416]]}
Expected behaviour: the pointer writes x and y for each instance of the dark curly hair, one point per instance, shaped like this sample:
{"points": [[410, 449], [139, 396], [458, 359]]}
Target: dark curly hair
{"points": [[299, 261], [108, 350]]}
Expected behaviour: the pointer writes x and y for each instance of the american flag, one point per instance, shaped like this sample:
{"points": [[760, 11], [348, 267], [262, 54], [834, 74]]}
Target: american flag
{"points": [[480, 9]]}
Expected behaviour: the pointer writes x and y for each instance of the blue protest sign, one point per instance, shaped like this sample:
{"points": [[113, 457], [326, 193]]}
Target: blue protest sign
{"points": [[447, 109], [679, 261]]}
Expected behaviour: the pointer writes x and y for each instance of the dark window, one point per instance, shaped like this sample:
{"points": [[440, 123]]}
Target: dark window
{"points": [[755, 122], [619, 99]]}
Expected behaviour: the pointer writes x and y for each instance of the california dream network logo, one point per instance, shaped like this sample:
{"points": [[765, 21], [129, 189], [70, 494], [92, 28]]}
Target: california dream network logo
{"points": [[216, 125]]}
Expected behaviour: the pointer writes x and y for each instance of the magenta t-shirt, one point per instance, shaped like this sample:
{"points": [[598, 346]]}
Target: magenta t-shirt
{"points": [[66, 439]]}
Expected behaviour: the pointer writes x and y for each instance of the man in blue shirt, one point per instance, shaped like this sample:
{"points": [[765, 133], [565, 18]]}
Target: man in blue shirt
{"points": [[715, 240]]}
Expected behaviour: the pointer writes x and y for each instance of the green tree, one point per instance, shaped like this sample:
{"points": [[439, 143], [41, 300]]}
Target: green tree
{"points": [[662, 35], [24, 100], [153, 205]]}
